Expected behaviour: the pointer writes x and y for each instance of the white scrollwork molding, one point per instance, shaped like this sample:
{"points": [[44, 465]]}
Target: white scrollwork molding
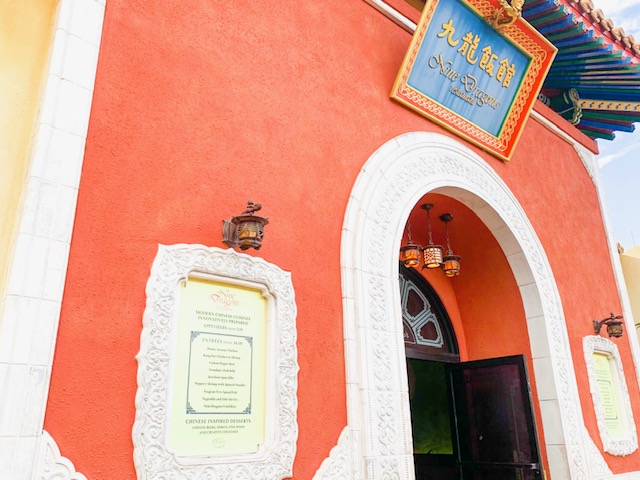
{"points": [[274, 460], [599, 468], [389, 185], [627, 442], [337, 466], [52, 465], [588, 160]]}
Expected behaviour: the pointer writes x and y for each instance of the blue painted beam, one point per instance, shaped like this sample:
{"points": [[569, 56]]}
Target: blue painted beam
{"points": [[607, 126]]}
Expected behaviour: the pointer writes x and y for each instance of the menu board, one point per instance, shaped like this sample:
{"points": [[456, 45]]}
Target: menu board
{"points": [[609, 400], [218, 384]]}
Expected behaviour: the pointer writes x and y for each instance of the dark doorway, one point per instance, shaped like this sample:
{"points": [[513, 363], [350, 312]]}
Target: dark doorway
{"points": [[493, 423], [430, 344], [470, 420], [433, 439]]}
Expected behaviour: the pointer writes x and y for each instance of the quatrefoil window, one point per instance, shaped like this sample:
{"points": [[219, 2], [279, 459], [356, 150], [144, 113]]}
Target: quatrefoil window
{"points": [[425, 321]]}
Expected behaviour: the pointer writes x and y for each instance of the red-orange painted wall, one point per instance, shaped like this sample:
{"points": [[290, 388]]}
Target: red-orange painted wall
{"points": [[199, 108]]}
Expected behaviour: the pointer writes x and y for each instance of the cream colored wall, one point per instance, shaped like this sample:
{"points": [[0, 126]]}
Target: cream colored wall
{"points": [[26, 28], [630, 261]]}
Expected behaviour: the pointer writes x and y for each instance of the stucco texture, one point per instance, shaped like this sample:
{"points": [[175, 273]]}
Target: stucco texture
{"points": [[198, 109]]}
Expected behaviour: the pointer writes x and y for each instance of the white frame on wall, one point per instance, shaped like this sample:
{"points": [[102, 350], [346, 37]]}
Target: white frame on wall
{"points": [[628, 443], [274, 459]]}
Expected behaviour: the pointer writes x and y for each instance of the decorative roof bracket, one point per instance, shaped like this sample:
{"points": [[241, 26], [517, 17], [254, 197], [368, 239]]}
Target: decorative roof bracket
{"points": [[567, 104], [507, 14]]}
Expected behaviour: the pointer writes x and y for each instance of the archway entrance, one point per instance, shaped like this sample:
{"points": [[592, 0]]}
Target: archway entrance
{"points": [[471, 420], [377, 442]]}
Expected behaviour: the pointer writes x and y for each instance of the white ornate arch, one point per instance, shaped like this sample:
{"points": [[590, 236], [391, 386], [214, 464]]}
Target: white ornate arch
{"points": [[376, 444]]}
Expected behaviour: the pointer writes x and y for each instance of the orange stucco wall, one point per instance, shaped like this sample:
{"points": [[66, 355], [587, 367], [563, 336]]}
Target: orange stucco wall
{"points": [[199, 108]]}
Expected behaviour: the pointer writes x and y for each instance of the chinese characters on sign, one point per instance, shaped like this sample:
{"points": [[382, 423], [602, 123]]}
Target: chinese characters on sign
{"points": [[468, 51], [218, 378], [472, 79]]}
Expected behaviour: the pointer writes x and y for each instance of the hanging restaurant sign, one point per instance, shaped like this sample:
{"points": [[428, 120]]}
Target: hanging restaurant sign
{"points": [[475, 80]]}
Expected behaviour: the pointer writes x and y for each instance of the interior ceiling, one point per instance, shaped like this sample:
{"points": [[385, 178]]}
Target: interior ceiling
{"points": [[594, 81]]}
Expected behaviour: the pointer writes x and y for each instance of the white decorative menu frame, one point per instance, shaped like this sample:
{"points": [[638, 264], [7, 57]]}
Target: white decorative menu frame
{"points": [[618, 445], [274, 460]]}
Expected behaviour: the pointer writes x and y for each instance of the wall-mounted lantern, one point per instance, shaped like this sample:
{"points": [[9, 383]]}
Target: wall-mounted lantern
{"points": [[246, 230], [613, 323]]}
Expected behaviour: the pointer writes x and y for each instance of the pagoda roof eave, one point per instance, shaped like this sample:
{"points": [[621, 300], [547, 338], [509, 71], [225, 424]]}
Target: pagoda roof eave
{"points": [[596, 61]]}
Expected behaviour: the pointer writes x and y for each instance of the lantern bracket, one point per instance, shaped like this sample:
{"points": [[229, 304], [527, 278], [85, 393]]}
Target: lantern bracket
{"points": [[613, 323], [245, 230]]}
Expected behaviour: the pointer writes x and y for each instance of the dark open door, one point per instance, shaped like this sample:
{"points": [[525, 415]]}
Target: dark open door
{"points": [[493, 423]]}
